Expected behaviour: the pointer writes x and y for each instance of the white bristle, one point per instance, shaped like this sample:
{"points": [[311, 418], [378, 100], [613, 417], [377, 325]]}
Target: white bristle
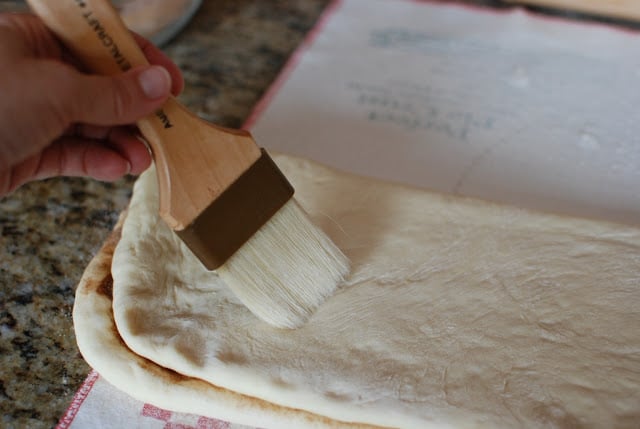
{"points": [[286, 270]]}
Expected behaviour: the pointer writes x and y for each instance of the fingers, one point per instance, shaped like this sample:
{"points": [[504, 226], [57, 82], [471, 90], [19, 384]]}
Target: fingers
{"points": [[27, 35], [111, 100], [120, 99], [125, 140], [80, 157], [46, 92], [127, 143]]}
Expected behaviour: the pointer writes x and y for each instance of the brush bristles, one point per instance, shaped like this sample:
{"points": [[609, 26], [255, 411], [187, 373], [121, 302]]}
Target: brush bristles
{"points": [[286, 270]]}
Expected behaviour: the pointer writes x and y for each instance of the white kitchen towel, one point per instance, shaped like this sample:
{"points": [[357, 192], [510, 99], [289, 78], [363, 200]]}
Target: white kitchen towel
{"points": [[99, 405]]}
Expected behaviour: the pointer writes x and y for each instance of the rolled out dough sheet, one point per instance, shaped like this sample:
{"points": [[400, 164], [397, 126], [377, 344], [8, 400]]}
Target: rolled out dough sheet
{"points": [[103, 348], [458, 313]]}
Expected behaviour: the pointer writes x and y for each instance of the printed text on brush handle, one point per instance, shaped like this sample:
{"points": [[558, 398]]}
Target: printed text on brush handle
{"points": [[114, 51]]}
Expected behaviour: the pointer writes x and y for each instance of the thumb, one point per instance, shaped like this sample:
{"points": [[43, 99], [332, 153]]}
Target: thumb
{"points": [[119, 99]]}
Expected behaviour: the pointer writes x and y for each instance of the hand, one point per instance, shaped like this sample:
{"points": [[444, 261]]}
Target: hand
{"points": [[57, 120]]}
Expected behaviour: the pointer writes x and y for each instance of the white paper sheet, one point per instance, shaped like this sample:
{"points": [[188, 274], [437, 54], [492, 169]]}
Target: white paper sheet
{"points": [[506, 106]]}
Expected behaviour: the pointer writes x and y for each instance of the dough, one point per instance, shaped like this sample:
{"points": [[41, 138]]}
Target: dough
{"points": [[457, 312], [104, 350]]}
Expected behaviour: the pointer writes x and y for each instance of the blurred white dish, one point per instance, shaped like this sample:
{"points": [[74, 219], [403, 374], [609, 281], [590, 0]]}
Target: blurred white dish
{"points": [[157, 20]]}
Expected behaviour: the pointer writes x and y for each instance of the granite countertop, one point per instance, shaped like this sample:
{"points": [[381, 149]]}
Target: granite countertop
{"points": [[49, 230]]}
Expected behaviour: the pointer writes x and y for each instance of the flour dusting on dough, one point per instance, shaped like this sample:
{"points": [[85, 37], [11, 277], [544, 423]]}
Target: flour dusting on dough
{"points": [[457, 312]]}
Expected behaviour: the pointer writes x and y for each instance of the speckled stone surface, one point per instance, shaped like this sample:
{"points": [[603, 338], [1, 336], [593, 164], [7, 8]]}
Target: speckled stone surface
{"points": [[229, 54]]}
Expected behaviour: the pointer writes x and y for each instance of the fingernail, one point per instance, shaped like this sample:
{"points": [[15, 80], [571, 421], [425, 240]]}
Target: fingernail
{"points": [[155, 82]]}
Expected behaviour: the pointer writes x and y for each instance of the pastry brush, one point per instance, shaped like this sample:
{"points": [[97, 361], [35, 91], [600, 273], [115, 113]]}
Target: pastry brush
{"points": [[220, 192]]}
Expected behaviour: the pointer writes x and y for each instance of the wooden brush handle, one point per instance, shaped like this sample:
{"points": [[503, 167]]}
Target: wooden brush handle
{"points": [[626, 9], [195, 160]]}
